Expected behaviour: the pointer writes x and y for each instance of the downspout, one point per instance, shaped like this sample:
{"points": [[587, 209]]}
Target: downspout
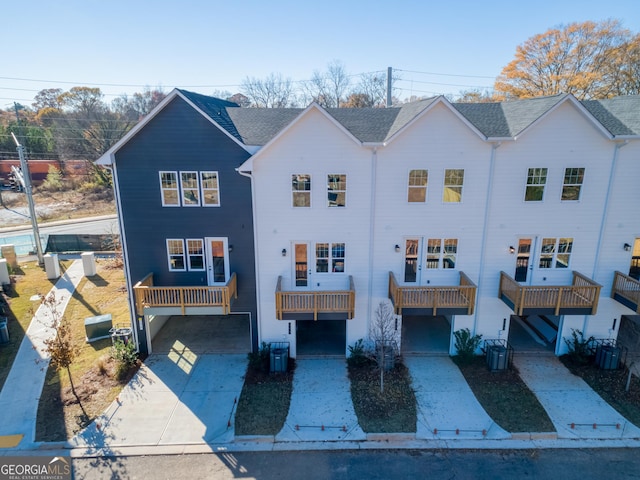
{"points": [[485, 231], [605, 211], [372, 216], [255, 254]]}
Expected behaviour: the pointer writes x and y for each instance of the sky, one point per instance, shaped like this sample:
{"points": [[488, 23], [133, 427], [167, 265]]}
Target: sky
{"points": [[125, 46]]}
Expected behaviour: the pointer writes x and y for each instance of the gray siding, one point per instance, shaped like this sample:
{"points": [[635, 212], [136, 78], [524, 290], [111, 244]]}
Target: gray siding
{"points": [[180, 139]]}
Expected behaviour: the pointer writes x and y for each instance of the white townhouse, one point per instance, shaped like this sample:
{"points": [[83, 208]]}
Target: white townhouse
{"points": [[511, 219]]}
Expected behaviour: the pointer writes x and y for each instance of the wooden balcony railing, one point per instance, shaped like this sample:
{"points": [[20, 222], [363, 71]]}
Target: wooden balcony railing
{"points": [[148, 295], [315, 302], [461, 296], [582, 294], [628, 288]]}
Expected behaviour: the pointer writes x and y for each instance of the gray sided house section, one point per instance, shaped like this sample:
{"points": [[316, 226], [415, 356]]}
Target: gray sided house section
{"points": [[178, 139]]}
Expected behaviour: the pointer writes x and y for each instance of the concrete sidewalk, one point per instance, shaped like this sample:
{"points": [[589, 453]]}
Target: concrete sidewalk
{"points": [[577, 412], [22, 389]]}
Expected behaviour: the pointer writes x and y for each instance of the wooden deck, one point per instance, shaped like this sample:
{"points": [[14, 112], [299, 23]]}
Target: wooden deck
{"points": [[579, 298], [434, 298], [149, 295], [626, 290], [314, 304]]}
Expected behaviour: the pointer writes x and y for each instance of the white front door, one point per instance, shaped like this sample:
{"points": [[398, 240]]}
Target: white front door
{"points": [[412, 260], [301, 266], [217, 260]]}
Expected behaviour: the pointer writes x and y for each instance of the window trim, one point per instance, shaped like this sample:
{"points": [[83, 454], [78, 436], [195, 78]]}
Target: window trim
{"points": [[445, 185], [579, 185], [293, 191], [164, 189], [555, 253], [442, 245], [528, 185], [330, 191], [197, 188], [330, 258], [411, 187], [204, 189], [169, 255], [201, 254]]}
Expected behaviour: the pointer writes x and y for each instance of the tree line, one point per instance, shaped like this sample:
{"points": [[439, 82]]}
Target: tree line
{"points": [[590, 60]]}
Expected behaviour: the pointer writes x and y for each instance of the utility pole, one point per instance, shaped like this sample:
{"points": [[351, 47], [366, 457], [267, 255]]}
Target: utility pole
{"points": [[389, 81], [27, 188]]}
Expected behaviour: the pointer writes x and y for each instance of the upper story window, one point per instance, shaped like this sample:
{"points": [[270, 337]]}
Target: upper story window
{"points": [[330, 257], [555, 252], [453, 181], [336, 190], [210, 189], [190, 189], [301, 190], [442, 253], [417, 186], [195, 254], [175, 254], [169, 189], [536, 181], [573, 178]]}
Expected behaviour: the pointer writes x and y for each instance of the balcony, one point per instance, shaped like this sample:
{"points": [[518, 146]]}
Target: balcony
{"points": [[315, 305], [213, 300], [579, 298], [626, 290], [440, 300]]}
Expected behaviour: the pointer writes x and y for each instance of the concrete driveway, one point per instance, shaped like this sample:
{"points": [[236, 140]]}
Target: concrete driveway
{"points": [[175, 398]]}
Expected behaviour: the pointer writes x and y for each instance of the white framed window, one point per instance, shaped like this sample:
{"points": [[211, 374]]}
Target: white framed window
{"points": [[175, 255], [330, 257], [195, 254], [572, 185], [536, 181], [453, 182], [442, 253], [169, 189], [417, 189], [301, 190], [336, 190], [555, 252], [190, 189], [210, 189]]}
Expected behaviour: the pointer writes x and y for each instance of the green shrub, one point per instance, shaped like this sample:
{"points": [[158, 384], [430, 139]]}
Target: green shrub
{"points": [[579, 347], [53, 182], [125, 356], [259, 361], [466, 344], [357, 355]]}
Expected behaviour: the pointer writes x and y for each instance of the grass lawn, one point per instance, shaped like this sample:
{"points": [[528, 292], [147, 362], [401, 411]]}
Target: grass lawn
{"points": [[93, 371], [265, 398], [505, 397], [610, 385], [391, 411], [28, 280]]}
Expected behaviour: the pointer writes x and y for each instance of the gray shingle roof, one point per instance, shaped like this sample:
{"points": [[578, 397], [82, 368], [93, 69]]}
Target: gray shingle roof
{"points": [[257, 126]]}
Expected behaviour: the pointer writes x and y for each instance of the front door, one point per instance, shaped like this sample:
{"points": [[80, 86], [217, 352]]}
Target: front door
{"points": [[523, 260], [217, 261], [412, 260], [301, 264], [634, 268]]}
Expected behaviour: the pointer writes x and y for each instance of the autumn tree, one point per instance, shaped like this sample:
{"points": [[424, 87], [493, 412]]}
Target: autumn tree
{"points": [[273, 91], [589, 60], [329, 88]]}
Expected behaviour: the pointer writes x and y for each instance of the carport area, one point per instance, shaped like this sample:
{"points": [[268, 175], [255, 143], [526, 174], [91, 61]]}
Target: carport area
{"points": [[425, 334], [321, 337], [533, 334], [204, 334]]}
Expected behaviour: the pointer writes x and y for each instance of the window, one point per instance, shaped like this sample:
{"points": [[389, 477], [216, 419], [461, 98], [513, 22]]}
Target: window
{"points": [[169, 189], [417, 186], [333, 257], [210, 189], [190, 190], [195, 254], [573, 178], [555, 253], [175, 254], [536, 180], [453, 180], [301, 189], [336, 190], [442, 253]]}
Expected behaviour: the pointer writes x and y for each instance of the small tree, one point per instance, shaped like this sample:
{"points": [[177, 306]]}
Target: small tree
{"points": [[60, 347], [384, 335], [466, 344]]}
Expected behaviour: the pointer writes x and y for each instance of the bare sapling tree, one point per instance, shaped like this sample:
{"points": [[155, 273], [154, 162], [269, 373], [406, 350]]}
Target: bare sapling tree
{"points": [[384, 335], [60, 347]]}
